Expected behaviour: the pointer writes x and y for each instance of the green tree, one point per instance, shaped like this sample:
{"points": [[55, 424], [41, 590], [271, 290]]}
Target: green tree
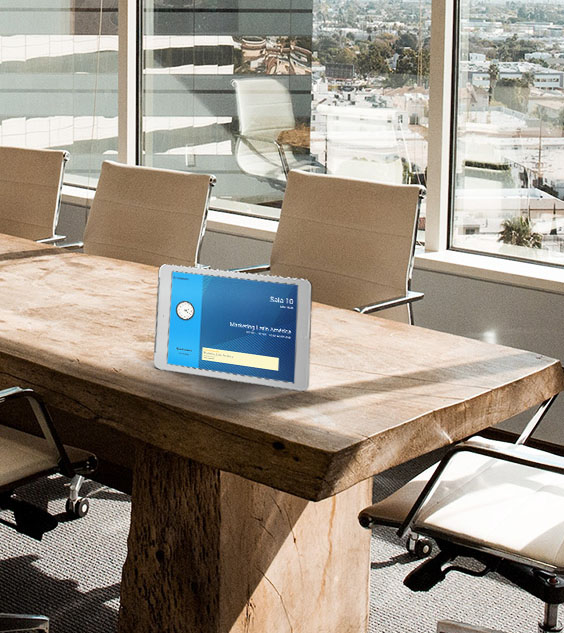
{"points": [[407, 68], [408, 62], [325, 43], [518, 232], [405, 40], [513, 49], [345, 56], [374, 59]]}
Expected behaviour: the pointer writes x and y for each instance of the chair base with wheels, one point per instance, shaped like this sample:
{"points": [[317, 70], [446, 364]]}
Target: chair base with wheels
{"points": [[547, 586], [498, 503]]}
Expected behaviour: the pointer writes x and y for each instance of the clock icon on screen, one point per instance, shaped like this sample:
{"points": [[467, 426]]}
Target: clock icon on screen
{"points": [[185, 310]]}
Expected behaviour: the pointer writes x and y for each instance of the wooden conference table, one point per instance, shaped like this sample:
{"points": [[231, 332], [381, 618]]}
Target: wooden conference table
{"points": [[245, 498]]}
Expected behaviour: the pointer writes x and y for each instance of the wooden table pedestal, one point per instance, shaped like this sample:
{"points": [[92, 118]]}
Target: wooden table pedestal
{"points": [[211, 552]]}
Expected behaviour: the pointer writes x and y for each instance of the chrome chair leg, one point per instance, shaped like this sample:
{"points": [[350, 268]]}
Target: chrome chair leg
{"points": [[76, 506], [450, 626], [550, 622], [74, 488], [12, 623]]}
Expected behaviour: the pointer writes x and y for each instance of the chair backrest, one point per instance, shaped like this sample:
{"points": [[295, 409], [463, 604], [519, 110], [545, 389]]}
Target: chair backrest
{"points": [[352, 239], [264, 107], [30, 191], [146, 215]]}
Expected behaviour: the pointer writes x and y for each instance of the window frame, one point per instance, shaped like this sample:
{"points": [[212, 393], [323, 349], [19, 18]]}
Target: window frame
{"points": [[441, 120], [441, 145]]}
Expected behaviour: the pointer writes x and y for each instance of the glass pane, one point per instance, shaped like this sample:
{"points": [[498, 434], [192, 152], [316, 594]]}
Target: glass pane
{"points": [[244, 89], [509, 167], [58, 79], [370, 91]]}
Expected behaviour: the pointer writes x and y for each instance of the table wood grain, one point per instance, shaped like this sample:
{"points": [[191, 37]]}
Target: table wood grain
{"points": [[223, 538], [380, 392]]}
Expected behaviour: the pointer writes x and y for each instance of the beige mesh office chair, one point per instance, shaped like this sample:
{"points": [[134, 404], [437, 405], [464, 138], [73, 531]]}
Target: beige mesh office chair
{"points": [[499, 503], [264, 108], [30, 192], [146, 215], [353, 239], [24, 458]]}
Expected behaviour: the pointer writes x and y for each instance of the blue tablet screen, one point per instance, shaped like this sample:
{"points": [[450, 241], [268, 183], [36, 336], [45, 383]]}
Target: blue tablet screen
{"points": [[238, 326]]}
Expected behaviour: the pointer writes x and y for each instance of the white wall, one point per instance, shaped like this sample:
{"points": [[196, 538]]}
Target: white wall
{"points": [[497, 313]]}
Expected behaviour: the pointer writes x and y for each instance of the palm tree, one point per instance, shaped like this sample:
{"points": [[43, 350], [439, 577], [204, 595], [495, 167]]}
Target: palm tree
{"points": [[518, 231]]}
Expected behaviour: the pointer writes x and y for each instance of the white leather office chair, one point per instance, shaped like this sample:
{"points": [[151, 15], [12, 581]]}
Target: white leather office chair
{"points": [[264, 109], [391, 169], [499, 503], [146, 215], [30, 192], [23, 458], [353, 239]]}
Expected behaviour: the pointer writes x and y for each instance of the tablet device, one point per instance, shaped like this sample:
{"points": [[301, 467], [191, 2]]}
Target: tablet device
{"points": [[237, 326]]}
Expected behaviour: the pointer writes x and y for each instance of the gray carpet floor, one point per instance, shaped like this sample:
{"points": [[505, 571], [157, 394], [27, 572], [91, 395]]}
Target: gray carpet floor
{"points": [[73, 574]]}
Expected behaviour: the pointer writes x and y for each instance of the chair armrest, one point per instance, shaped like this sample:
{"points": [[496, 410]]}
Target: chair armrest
{"points": [[71, 245], [45, 422], [247, 138], [516, 453], [51, 240], [252, 269], [410, 297]]}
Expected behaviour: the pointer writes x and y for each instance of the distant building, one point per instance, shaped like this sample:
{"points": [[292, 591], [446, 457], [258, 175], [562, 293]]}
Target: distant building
{"points": [[537, 55], [478, 73]]}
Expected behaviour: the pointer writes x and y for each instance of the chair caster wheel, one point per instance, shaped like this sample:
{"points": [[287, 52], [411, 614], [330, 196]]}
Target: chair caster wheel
{"points": [[419, 547], [422, 548], [78, 508]]}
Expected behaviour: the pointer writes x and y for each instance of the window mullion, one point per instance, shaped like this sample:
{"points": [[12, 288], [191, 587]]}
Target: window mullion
{"points": [[127, 81], [441, 103]]}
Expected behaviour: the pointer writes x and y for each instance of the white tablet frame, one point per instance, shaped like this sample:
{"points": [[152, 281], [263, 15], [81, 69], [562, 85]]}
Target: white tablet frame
{"points": [[303, 326]]}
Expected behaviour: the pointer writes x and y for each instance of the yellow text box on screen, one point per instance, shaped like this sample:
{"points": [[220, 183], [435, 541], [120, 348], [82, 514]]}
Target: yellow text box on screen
{"points": [[240, 358]]}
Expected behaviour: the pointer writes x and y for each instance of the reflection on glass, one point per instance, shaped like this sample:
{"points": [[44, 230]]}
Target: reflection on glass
{"points": [[509, 172], [370, 95], [58, 69], [272, 55], [193, 54], [270, 143], [351, 80]]}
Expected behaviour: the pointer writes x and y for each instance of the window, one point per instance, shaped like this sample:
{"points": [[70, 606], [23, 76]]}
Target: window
{"points": [[343, 92], [58, 87], [193, 52], [508, 165], [350, 97], [370, 97]]}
